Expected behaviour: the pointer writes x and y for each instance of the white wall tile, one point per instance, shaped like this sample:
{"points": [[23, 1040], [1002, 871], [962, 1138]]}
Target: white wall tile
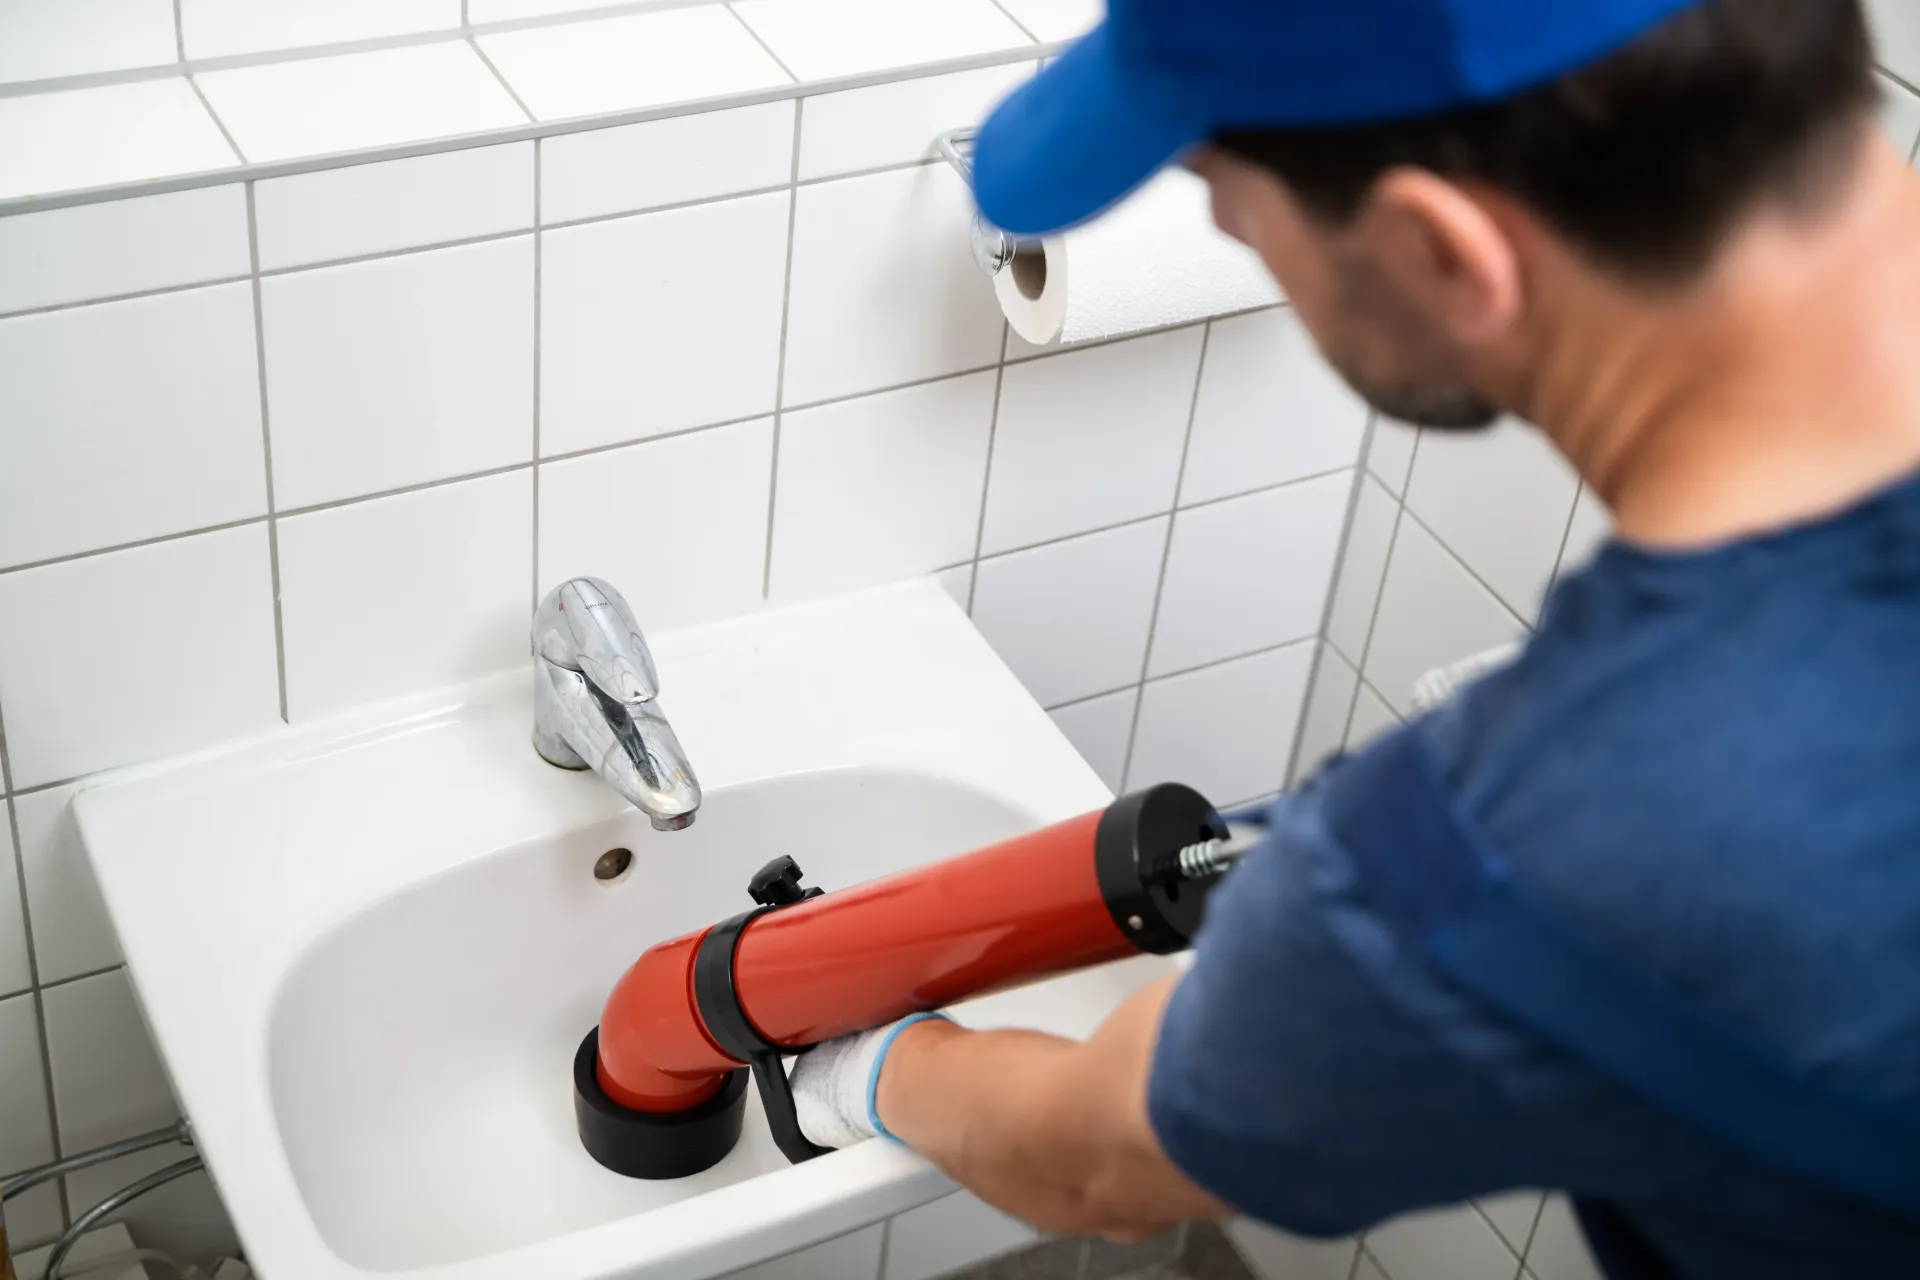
{"points": [[1249, 573], [183, 1218], [145, 615], [130, 420], [219, 28], [481, 11], [897, 122], [884, 289], [71, 933], [34, 1219], [1362, 567], [1512, 1215], [1443, 1244], [950, 1233], [400, 370], [819, 39], [660, 322], [957, 582], [1323, 731], [107, 1080], [1090, 438], [122, 246], [117, 133], [1591, 526], [638, 166], [1364, 1268], [881, 488], [396, 204], [1052, 20], [79, 37], [444, 570], [1270, 410], [1559, 1251], [1371, 718], [1100, 729], [1279, 1255], [709, 489], [855, 1256], [1500, 501], [1899, 114], [639, 60], [1390, 455], [26, 1130], [1225, 730], [1896, 28], [317, 106], [1071, 618], [1432, 613], [16, 973]]}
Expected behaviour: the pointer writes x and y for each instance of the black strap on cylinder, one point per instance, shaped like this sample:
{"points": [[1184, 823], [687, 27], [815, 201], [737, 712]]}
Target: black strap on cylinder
{"points": [[717, 1001]]}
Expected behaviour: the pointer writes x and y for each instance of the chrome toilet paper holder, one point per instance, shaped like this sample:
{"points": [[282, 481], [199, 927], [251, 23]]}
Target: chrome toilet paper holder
{"points": [[993, 249]]}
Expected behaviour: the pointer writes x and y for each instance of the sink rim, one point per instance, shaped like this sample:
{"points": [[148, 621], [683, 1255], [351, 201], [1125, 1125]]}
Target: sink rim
{"points": [[200, 860]]}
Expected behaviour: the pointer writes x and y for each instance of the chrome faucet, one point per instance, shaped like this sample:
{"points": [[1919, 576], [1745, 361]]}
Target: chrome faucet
{"points": [[594, 687]]}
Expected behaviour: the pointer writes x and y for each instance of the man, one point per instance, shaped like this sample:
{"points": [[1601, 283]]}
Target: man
{"points": [[1639, 916]]}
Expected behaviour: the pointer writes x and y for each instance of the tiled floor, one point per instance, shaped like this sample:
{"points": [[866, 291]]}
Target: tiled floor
{"points": [[1198, 1251]]}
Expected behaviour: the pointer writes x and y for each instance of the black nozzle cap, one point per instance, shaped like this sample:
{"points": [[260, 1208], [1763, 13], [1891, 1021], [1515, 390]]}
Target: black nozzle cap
{"points": [[641, 1144], [1139, 833], [778, 884]]}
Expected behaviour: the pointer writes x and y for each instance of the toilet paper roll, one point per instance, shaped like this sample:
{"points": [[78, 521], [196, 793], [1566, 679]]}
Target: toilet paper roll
{"points": [[1155, 260]]}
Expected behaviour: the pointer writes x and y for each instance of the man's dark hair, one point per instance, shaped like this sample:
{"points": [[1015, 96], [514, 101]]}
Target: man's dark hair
{"points": [[1646, 159]]}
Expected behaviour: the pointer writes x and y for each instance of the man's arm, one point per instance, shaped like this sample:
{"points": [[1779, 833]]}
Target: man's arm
{"points": [[1051, 1130]]}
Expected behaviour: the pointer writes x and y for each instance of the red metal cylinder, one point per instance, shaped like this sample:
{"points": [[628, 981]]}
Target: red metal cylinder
{"points": [[1014, 912]]}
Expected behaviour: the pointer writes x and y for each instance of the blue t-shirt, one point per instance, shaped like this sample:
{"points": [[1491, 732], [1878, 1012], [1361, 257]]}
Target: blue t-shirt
{"points": [[1706, 763]]}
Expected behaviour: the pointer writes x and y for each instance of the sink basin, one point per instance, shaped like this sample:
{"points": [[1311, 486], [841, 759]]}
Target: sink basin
{"points": [[367, 949]]}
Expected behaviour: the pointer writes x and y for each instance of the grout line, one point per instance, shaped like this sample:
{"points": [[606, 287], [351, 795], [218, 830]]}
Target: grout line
{"points": [[886, 1246], [123, 297], [1094, 344], [266, 450], [1369, 1256], [786, 315], [38, 787], [1353, 1266], [1566, 535], [898, 386], [180, 35], [1195, 669], [1166, 555], [539, 242], [218, 123], [986, 472], [1080, 1260], [1455, 557], [1025, 30], [129, 546], [481, 54], [778, 61], [466, 19], [336, 503], [68, 981], [1333, 591], [381, 255], [20, 204], [1386, 566], [33, 958]]}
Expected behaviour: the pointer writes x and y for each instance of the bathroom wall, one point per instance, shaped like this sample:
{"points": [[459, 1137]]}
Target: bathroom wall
{"points": [[300, 407], [282, 435]]}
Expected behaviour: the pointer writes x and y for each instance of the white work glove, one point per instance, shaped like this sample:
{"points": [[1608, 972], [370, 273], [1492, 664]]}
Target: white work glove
{"points": [[834, 1084]]}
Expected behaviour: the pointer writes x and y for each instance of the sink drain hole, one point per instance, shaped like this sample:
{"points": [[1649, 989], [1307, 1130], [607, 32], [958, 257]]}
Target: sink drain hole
{"points": [[613, 865]]}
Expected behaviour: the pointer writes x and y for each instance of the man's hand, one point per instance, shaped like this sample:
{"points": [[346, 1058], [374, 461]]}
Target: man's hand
{"points": [[1050, 1130], [833, 1084]]}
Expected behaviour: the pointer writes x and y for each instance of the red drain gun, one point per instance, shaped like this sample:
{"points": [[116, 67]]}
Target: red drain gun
{"points": [[660, 1085]]}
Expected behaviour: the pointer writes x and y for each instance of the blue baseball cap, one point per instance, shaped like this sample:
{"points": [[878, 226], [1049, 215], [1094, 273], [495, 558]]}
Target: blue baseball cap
{"points": [[1159, 76]]}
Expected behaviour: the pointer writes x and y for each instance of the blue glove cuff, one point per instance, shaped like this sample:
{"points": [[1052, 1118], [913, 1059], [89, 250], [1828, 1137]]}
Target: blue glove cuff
{"points": [[873, 1075]]}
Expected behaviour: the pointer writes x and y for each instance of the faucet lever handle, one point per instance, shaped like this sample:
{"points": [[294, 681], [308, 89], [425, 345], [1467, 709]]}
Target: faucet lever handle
{"points": [[584, 625]]}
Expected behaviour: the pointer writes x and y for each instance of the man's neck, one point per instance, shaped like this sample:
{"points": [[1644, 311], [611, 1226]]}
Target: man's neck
{"points": [[1782, 388]]}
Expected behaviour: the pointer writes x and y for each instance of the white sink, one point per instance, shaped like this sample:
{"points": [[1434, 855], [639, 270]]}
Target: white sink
{"points": [[368, 949]]}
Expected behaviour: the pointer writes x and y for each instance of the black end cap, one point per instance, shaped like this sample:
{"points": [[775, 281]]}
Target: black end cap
{"points": [[641, 1144], [1138, 832]]}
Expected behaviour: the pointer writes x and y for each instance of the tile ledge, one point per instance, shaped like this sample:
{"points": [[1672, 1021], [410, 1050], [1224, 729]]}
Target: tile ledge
{"points": [[14, 205]]}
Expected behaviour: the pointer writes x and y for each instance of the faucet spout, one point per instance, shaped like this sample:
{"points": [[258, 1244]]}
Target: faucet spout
{"points": [[595, 705]]}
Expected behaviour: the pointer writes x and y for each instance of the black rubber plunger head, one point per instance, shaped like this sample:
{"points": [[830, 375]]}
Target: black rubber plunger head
{"points": [[641, 1144]]}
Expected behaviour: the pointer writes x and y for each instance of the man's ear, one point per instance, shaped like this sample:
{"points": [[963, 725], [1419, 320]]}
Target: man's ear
{"points": [[1447, 252]]}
